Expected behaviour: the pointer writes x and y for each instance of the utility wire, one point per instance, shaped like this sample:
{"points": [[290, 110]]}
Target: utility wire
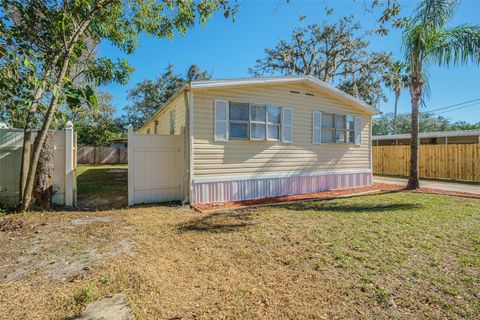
{"points": [[463, 107], [455, 105]]}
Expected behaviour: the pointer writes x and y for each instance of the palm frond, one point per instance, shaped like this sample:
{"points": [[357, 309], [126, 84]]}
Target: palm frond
{"points": [[434, 13], [457, 46]]}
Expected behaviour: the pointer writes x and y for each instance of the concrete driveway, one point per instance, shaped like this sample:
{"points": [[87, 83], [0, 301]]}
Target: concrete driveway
{"points": [[448, 186]]}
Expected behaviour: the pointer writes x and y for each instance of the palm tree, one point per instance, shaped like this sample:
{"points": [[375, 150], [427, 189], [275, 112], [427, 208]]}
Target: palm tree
{"points": [[427, 40], [396, 79]]}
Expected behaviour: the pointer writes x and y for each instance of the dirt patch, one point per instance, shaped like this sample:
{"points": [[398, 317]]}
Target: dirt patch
{"points": [[110, 308], [11, 224], [117, 171], [63, 251], [89, 220]]}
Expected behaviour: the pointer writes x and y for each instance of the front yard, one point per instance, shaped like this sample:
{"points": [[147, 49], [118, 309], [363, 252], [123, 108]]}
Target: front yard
{"points": [[395, 255]]}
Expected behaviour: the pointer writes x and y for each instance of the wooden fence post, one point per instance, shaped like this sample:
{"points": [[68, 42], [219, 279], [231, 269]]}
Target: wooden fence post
{"points": [[69, 167]]}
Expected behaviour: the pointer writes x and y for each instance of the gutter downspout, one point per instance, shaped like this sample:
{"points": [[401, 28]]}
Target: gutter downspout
{"points": [[189, 105]]}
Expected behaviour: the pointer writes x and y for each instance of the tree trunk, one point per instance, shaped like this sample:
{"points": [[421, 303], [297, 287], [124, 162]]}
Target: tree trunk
{"points": [[43, 192], [397, 95], [416, 87], [26, 203], [27, 141]]}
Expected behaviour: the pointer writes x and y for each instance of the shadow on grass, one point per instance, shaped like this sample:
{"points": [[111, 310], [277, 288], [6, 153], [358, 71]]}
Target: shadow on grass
{"points": [[219, 222], [330, 206]]}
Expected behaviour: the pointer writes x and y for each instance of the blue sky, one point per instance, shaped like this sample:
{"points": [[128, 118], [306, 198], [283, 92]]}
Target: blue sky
{"points": [[228, 49]]}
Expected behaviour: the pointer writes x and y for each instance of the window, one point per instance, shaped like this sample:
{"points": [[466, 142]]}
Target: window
{"points": [[258, 122], [239, 121], [273, 123], [350, 129], [337, 128], [328, 127], [148, 131], [251, 122], [155, 128], [172, 121]]}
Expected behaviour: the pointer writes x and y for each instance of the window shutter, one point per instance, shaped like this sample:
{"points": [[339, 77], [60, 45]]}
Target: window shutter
{"points": [[221, 120], [317, 127], [287, 125], [358, 131]]}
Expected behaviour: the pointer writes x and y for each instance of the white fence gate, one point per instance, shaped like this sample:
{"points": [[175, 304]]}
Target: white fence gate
{"points": [[155, 167], [64, 158]]}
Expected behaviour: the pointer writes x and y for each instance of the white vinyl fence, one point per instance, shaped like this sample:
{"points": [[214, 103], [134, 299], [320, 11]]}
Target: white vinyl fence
{"points": [[64, 176], [155, 167]]}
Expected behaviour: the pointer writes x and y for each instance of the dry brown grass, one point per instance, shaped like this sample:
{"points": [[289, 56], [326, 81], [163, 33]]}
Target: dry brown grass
{"points": [[398, 255]]}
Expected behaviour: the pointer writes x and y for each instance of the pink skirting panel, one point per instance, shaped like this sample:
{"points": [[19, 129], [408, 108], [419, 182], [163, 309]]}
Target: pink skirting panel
{"points": [[237, 190]]}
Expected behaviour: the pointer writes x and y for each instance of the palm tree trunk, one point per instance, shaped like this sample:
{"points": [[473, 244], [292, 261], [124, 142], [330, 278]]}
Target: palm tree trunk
{"points": [[397, 95], [416, 87]]}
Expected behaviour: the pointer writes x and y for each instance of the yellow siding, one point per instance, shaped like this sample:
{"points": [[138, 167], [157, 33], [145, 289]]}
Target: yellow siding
{"points": [[252, 157], [163, 118]]}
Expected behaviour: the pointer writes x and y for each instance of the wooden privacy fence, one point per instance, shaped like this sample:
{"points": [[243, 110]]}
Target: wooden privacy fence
{"points": [[102, 155], [451, 161]]}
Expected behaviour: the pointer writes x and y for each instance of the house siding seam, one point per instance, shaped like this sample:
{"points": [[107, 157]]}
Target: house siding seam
{"points": [[238, 190]]}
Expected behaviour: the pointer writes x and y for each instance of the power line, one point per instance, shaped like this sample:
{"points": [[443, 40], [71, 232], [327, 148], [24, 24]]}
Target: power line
{"points": [[455, 105], [463, 107]]}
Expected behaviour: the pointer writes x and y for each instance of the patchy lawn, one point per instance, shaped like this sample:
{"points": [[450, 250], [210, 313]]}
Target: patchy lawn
{"points": [[396, 255], [102, 186]]}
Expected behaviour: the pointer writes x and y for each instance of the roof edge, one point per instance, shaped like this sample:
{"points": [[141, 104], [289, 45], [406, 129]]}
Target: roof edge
{"points": [[273, 80], [162, 107]]}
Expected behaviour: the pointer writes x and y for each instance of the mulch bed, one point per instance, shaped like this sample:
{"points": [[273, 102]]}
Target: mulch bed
{"points": [[376, 187]]}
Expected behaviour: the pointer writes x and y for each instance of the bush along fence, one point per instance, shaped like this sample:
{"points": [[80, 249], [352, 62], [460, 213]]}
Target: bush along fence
{"points": [[102, 155], [61, 176], [452, 161]]}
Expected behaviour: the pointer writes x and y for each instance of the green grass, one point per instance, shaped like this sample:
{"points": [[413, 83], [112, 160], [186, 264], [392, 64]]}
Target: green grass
{"points": [[97, 187]]}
